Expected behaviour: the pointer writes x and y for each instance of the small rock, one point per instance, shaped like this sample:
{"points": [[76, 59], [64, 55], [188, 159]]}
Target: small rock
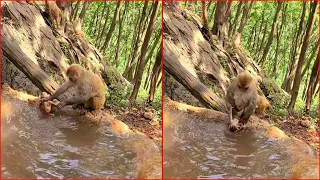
{"points": [[305, 123], [148, 115], [154, 122], [134, 110]]}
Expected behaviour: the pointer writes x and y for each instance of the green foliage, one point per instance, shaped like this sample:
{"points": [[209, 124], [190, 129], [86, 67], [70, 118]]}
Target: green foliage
{"points": [[280, 112], [96, 25]]}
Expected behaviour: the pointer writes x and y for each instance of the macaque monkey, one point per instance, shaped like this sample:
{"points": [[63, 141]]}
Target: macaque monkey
{"points": [[236, 41], [262, 105], [77, 27], [54, 12], [45, 107], [234, 123], [242, 96], [89, 87]]}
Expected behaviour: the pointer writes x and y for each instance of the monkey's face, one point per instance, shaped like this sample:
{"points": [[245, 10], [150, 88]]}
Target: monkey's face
{"points": [[73, 77], [243, 88]]}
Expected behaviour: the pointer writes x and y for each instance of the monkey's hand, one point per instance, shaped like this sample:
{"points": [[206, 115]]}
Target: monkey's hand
{"points": [[45, 99], [54, 102], [60, 104]]}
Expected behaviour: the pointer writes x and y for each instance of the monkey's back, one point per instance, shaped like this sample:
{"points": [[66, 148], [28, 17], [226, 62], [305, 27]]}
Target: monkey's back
{"points": [[92, 84]]}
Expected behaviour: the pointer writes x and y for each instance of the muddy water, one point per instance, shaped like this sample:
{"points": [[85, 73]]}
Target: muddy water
{"points": [[40, 146], [197, 148]]}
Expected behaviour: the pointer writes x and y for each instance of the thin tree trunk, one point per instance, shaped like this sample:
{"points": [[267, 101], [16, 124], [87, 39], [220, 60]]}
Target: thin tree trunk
{"points": [[85, 6], [311, 57], [155, 43], [155, 75], [287, 83], [279, 35], [297, 78], [139, 73], [129, 71], [112, 27], [312, 84], [220, 22], [235, 21], [262, 40], [116, 59], [212, 12], [100, 20], [99, 38], [133, 43], [95, 17], [75, 10], [270, 38], [257, 40], [245, 14]]}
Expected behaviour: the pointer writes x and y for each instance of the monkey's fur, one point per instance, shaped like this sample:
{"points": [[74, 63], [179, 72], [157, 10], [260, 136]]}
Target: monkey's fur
{"points": [[263, 104], [77, 28], [89, 87], [45, 107], [242, 96], [236, 41]]}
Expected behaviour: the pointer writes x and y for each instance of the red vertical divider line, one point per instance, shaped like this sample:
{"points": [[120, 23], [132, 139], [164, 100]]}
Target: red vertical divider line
{"points": [[162, 64], [1, 90], [319, 85]]}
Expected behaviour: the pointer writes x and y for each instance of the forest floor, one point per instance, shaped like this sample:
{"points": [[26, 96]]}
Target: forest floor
{"points": [[145, 120], [299, 127]]}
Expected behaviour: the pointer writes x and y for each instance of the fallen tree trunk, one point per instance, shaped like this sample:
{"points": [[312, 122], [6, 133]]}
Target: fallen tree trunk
{"points": [[194, 85], [12, 51]]}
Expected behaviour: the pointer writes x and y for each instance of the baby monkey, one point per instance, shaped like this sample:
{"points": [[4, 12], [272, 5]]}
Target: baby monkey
{"points": [[45, 107], [89, 89], [242, 96]]}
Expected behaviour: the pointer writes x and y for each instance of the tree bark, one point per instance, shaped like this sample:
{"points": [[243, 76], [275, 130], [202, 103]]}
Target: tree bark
{"points": [[27, 66], [155, 76], [270, 38], [245, 14], [75, 10], [112, 27], [297, 78], [279, 34], [220, 22], [296, 44], [312, 84], [131, 65], [116, 59], [100, 24], [139, 72], [311, 57], [86, 5], [194, 85], [95, 17], [155, 43], [235, 21]]}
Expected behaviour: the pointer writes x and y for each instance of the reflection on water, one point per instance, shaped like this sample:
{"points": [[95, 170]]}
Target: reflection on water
{"points": [[206, 149], [34, 145]]}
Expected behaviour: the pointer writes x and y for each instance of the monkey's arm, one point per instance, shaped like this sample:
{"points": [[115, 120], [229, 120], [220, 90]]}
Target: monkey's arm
{"points": [[230, 98], [247, 112], [62, 89]]}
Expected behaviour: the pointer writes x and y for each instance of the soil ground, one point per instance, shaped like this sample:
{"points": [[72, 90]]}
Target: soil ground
{"points": [[292, 126], [136, 119]]}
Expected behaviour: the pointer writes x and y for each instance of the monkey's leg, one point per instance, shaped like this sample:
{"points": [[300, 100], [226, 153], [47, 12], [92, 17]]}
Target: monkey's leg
{"points": [[73, 100], [247, 112], [97, 102]]}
